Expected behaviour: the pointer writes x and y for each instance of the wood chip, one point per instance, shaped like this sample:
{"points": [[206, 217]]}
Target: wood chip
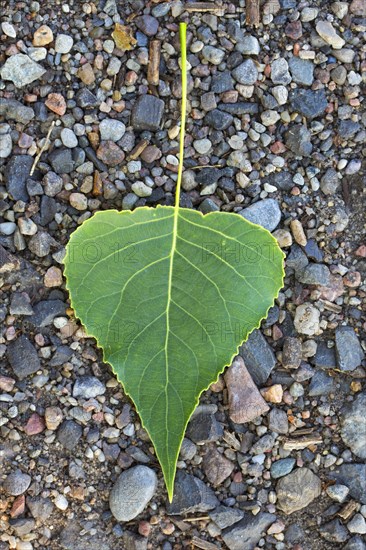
{"points": [[97, 184], [252, 11], [205, 7], [348, 509], [204, 544], [137, 150], [154, 62], [302, 442]]}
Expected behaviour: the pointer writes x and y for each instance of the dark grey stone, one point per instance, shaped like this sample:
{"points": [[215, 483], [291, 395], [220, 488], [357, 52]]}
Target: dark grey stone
{"points": [[334, 531], [302, 71], [348, 128], [23, 357], [224, 516], [281, 180], [296, 259], [325, 357], [191, 495], [298, 139], [208, 205], [222, 82], [147, 24], [45, 312], [86, 99], [11, 109], [61, 161], [40, 244], [258, 357], [204, 428], [349, 351], [17, 173], [218, 119], [314, 274], [69, 434], [354, 477], [247, 532], [353, 422], [310, 103], [321, 384], [147, 113], [240, 108], [61, 355], [282, 467], [132, 541], [313, 251], [20, 304]]}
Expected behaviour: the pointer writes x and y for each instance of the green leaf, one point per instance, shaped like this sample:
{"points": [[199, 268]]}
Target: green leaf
{"points": [[170, 294]]}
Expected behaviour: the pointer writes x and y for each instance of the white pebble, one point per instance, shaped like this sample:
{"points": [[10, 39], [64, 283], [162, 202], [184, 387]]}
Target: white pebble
{"points": [[61, 502]]}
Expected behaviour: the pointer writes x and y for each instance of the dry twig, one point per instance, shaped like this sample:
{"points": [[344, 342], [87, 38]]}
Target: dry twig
{"points": [[44, 146]]}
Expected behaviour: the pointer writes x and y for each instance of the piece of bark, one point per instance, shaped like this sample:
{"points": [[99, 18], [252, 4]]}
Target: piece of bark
{"points": [[205, 7], [245, 400], [302, 442], [138, 149], [252, 11], [154, 62]]}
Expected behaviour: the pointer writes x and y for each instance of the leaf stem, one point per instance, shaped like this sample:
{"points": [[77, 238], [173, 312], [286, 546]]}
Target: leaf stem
{"points": [[183, 46]]}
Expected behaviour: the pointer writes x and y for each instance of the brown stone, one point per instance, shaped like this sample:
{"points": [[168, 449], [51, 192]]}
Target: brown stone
{"points": [[294, 30], [56, 103], [358, 7], [217, 467], [151, 153], [86, 74], [352, 279], [35, 425], [334, 290], [245, 401], [42, 36], [110, 153]]}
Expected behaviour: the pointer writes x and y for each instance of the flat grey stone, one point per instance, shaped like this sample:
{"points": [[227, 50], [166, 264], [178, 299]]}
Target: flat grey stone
{"points": [[224, 516], [354, 477], [302, 71], [88, 387], [297, 490], [353, 422], [17, 483], [348, 347], [132, 492], [265, 213], [21, 70], [246, 73], [191, 495], [11, 109], [247, 532]]}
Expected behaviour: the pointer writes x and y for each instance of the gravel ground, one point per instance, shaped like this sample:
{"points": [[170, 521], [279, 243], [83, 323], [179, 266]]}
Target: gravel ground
{"points": [[274, 455]]}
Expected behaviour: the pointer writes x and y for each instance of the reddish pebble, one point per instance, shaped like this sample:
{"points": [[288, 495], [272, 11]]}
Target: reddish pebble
{"points": [[278, 147], [296, 49], [18, 507], [352, 279], [35, 425], [25, 141], [144, 528], [267, 70], [361, 251], [6, 383], [295, 191], [56, 103], [294, 30]]}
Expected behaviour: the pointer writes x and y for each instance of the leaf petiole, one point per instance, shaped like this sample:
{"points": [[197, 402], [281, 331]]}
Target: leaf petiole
{"points": [[183, 46]]}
